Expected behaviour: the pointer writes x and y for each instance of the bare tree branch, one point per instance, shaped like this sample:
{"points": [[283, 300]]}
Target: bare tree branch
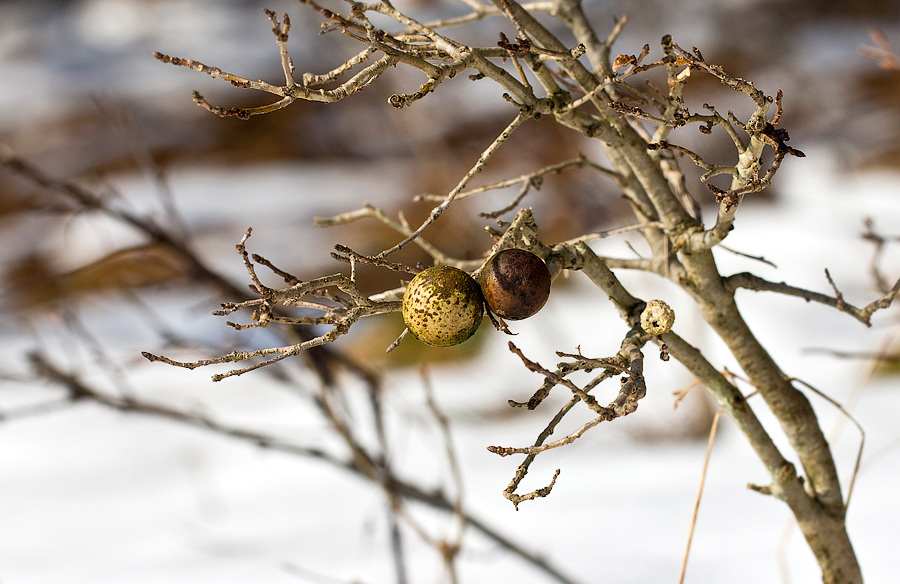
{"points": [[635, 126], [749, 281]]}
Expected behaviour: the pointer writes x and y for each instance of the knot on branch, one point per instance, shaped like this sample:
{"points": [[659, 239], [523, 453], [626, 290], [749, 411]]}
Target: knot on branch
{"points": [[522, 44]]}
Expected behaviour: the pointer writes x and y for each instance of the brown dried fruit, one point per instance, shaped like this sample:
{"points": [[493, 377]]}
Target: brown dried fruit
{"points": [[442, 306], [515, 284]]}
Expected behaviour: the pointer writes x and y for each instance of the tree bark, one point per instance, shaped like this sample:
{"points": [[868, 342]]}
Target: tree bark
{"points": [[816, 502]]}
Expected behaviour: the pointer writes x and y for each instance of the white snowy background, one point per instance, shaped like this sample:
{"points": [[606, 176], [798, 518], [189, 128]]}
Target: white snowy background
{"points": [[90, 495]]}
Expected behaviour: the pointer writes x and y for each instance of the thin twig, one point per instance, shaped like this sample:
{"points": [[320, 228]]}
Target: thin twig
{"points": [[400, 227], [449, 550], [750, 281], [520, 118], [690, 537]]}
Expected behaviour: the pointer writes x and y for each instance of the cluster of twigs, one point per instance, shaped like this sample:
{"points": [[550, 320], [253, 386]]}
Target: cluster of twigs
{"points": [[360, 458], [340, 311], [628, 362]]}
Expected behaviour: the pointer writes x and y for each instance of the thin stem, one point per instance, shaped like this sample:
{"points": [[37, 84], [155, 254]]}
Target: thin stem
{"points": [[520, 118], [709, 444]]}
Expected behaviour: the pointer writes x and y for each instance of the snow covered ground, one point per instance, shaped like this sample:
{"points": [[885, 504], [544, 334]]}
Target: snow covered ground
{"points": [[91, 495]]}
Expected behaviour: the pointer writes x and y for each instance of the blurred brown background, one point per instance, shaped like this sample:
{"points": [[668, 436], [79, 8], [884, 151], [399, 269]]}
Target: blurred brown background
{"points": [[84, 99]]}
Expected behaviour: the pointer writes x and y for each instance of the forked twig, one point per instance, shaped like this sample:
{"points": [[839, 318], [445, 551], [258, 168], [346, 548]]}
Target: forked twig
{"points": [[750, 281]]}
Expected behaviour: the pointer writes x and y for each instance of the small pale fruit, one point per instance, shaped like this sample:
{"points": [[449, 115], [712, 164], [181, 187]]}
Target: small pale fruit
{"points": [[515, 284], [657, 317], [442, 306]]}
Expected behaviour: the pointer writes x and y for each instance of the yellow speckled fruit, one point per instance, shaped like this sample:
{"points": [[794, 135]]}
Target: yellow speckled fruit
{"points": [[442, 306]]}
